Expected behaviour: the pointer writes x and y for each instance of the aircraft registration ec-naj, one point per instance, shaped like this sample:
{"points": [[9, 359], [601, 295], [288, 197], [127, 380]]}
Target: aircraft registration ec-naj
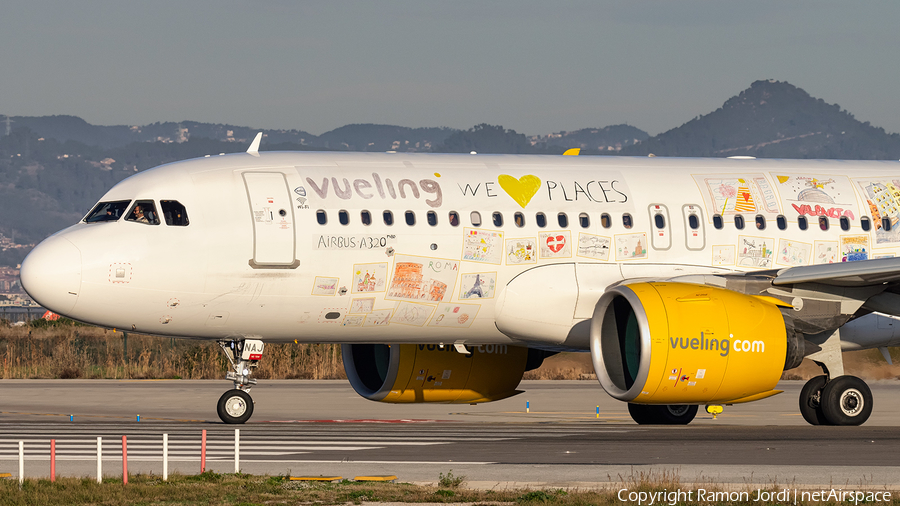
{"points": [[445, 277]]}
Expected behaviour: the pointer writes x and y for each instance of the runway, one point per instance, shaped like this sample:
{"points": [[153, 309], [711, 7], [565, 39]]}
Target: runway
{"points": [[303, 427]]}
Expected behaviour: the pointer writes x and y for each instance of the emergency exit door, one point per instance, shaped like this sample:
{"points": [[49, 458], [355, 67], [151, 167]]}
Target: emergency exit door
{"points": [[273, 220]]}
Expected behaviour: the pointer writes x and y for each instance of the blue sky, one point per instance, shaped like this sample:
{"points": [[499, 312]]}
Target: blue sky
{"points": [[534, 66]]}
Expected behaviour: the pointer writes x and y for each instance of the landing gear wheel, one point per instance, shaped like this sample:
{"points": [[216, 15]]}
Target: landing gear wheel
{"points": [[670, 414], [846, 400], [640, 413], [677, 414], [811, 401], [235, 406]]}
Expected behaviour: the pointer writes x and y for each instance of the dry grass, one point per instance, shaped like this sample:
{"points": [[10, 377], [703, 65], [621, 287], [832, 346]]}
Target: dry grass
{"points": [[66, 351], [213, 489], [217, 489], [564, 366], [867, 364], [69, 351]]}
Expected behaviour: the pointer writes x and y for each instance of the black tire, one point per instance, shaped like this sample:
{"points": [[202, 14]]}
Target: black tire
{"points": [[675, 414], [846, 400], [640, 413], [235, 406], [810, 401]]}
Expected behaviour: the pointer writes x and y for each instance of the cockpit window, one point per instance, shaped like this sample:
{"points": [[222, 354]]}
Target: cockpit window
{"points": [[143, 211], [107, 211], [174, 213]]}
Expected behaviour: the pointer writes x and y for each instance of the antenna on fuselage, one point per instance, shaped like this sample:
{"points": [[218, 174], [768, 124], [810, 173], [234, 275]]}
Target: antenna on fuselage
{"points": [[254, 146]]}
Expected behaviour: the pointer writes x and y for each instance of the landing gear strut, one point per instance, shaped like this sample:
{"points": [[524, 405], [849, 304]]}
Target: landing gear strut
{"points": [[235, 405], [834, 399]]}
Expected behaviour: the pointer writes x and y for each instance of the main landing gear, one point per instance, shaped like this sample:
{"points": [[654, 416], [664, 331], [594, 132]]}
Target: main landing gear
{"points": [[833, 398], [844, 400], [662, 414], [235, 405]]}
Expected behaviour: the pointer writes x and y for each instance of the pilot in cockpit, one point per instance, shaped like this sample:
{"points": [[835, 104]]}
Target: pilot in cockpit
{"points": [[138, 215]]}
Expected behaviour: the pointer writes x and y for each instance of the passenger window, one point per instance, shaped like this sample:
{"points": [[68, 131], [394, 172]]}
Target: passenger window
{"points": [[886, 224], [845, 223], [498, 219], [627, 222], [365, 217], [760, 222], [605, 220], [540, 219], [174, 213], [718, 222], [321, 217], [388, 218], [520, 220], [563, 220], [410, 218], [823, 222], [865, 223], [343, 217], [432, 218], [584, 220], [802, 222], [782, 222], [107, 211], [659, 221], [475, 218], [739, 222], [693, 222], [143, 211], [454, 219]]}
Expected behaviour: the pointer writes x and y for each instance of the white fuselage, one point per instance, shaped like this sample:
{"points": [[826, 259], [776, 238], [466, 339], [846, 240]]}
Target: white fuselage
{"points": [[242, 269]]}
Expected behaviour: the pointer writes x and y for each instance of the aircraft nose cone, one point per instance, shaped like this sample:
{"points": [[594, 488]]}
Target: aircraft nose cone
{"points": [[51, 274]]}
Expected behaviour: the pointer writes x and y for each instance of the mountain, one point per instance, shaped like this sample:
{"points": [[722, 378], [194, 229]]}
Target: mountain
{"points": [[73, 128], [612, 138], [370, 137], [774, 119], [486, 138], [357, 137]]}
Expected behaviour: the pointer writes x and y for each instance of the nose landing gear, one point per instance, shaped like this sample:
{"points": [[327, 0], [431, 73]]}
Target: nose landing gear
{"points": [[235, 405]]}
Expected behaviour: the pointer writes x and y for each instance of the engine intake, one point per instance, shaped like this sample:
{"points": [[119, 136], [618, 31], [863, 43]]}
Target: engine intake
{"points": [[680, 343]]}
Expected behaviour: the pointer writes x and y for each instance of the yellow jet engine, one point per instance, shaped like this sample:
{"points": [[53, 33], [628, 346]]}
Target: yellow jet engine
{"points": [[434, 373], [687, 344]]}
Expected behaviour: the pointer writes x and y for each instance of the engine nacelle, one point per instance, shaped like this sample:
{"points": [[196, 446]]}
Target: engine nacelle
{"points": [[431, 373], [680, 343]]}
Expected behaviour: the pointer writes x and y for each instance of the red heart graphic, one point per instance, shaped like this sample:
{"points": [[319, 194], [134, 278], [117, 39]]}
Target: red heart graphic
{"points": [[556, 243]]}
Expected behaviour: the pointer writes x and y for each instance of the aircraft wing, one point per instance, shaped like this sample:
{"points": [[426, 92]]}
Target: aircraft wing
{"points": [[861, 273]]}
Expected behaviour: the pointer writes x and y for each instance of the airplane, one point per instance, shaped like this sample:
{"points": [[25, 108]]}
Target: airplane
{"points": [[445, 277]]}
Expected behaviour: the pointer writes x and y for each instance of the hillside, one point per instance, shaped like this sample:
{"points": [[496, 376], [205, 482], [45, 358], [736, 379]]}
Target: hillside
{"points": [[774, 119], [369, 137], [357, 137], [46, 185], [73, 128], [612, 138]]}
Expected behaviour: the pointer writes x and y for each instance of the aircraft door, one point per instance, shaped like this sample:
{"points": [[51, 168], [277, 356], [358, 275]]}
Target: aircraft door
{"points": [[661, 237], [694, 233], [273, 220]]}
